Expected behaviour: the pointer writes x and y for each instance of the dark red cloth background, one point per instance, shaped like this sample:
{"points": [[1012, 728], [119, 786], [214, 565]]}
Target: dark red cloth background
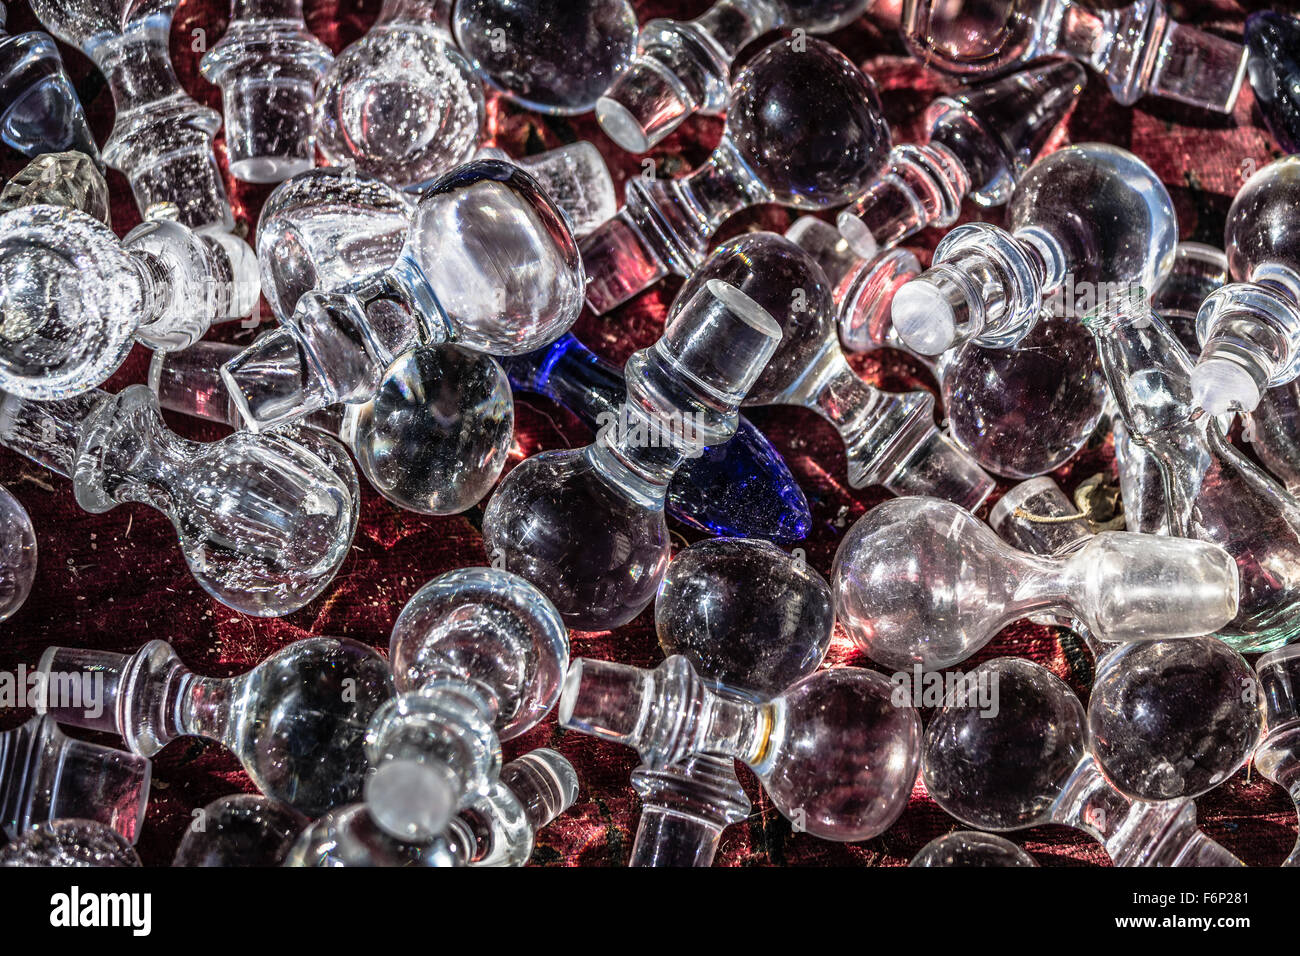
{"points": [[116, 580]]}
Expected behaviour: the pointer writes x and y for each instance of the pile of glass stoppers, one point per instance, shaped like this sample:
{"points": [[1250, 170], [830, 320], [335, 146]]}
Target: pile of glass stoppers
{"points": [[420, 277]]}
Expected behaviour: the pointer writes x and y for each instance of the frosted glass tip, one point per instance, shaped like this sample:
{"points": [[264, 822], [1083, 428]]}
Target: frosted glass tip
{"points": [[857, 234], [925, 319], [621, 126], [1220, 387], [410, 800]]}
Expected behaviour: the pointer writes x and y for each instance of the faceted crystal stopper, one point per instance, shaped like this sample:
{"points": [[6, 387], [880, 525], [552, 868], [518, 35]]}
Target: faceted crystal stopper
{"points": [[67, 179]]}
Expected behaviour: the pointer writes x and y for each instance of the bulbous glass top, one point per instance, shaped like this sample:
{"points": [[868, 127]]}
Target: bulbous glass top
{"points": [[70, 301], [401, 104], [300, 722], [1004, 770], [1108, 210], [491, 627], [744, 613], [552, 56], [244, 829], [492, 249], [966, 848], [787, 282], [808, 123], [1273, 42], [981, 37], [436, 435], [1170, 719], [563, 525], [996, 399], [918, 580], [1261, 227], [847, 762], [329, 229]]}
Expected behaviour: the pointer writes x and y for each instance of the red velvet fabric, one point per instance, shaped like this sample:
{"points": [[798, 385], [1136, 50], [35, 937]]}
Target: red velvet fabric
{"points": [[115, 580]]}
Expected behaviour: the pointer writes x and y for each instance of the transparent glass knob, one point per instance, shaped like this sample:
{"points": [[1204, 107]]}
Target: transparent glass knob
{"points": [[488, 264], [587, 525], [264, 521], [297, 721], [1083, 222], [744, 613], [1250, 329], [683, 67], [967, 848], [338, 229], [981, 141], [46, 775], [1278, 756], [437, 434], [1024, 763], [75, 298], [350, 837], [70, 179], [889, 439], [778, 147], [433, 440], [499, 829], [1272, 39], [1025, 411], [550, 56], [685, 807], [401, 104], [267, 65], [740, 488], [69, 843], [833, 751], [328, 230], [162, 138], [1136, 46], [919, 581], [1206, 489], [17, 554], [828, 248], [39, 108], [1171, 719], [1198, 271], [477, 657], [240, 830]]}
